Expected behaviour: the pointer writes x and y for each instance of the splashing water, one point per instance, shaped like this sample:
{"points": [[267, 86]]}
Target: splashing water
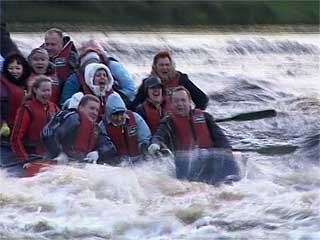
{"points": [[278, 197]]}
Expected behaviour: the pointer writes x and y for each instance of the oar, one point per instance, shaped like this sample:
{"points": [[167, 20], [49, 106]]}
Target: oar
{"points": [[17, 163], [270, 150], [250, 116]]}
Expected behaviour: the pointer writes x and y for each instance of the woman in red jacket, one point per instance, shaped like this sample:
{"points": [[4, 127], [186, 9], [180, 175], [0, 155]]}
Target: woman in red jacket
{"points": [[32, 116], [13, 79]]}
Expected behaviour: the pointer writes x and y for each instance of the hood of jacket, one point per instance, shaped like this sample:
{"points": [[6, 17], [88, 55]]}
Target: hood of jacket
{"points": [[114, 104], [89, 74]]}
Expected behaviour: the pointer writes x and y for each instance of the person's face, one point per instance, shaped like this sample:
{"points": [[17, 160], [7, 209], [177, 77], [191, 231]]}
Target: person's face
{"points": [[155, 93], [91, 110], [181, 103], [39, 63], [15, 69], [163, 67], [53, 44], [43, 93], [118, 118], [100, 78]]}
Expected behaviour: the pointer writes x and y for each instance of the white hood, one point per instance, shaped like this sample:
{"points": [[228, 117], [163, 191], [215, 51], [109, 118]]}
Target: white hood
{"points": [[89, 73]]}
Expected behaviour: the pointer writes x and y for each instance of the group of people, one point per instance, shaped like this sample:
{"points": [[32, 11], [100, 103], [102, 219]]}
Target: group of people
{"points": [[66, 103]]}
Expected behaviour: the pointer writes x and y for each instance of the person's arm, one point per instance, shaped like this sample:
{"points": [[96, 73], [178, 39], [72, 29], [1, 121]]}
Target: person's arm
{"points": [[220, 140], [199, 98], [124, 79], [4, 111], [63, 137], [164, 134], [140, 110], [143, 132], [20, 128], [71, 86], [7, 45]]}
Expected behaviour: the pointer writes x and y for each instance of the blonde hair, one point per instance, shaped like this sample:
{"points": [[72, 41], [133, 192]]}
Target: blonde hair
{"points": [[36, 84]]}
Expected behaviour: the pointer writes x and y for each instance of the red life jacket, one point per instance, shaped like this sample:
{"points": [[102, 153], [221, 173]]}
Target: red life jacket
{"points": [[172, 84], [40, 115], [125, 137], [86, 140], [16, 96], [153, 115], [61, 61], [192, 132]]}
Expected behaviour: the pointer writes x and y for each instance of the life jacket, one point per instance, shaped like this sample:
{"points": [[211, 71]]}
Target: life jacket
{"points": [[56, 88], [192, 132], [125, 137], [16, 96], [61, 61], [40, 115], [172, 84], [153, 115], [86, 140]]}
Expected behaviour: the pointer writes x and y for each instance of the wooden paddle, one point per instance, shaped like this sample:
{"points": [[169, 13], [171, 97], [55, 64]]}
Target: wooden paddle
{"points": [[250, 116]]}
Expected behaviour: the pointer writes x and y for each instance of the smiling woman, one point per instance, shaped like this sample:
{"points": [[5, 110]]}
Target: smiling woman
{"points": [[31, 117]]}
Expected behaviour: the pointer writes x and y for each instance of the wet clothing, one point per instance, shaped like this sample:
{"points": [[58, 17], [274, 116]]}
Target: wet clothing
{"points": [[202, 151], [11, 99], [171, 136], [66, 62], [124, 137], [76, 135], [130, 139], [199, 98], [152, 115], [31, 117], [123, 82]]}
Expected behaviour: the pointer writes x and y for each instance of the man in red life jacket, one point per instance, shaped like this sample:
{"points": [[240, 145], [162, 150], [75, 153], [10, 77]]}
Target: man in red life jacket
{"points": [[73, 133], [156, 106], [164, 67], [62, 52], [187, 130]]}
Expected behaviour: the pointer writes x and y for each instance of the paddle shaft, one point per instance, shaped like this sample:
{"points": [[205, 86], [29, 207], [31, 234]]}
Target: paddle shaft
{"points": [[31, 159]]}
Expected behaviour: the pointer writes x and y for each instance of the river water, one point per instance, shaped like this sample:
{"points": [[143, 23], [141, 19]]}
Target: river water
{"points": [[279, 195]]}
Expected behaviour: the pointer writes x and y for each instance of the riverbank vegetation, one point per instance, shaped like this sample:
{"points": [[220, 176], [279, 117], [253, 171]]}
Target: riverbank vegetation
{"points": [[36, 15]]}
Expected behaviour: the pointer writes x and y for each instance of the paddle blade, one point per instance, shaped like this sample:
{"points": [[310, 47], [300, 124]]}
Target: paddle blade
{"points": [[270, 150], [250, 116]]}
